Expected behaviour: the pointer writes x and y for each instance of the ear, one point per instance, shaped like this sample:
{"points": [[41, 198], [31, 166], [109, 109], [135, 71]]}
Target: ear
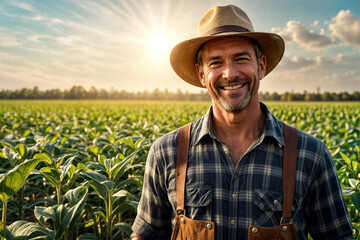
{"points": [[262, 67], [200, 74]]}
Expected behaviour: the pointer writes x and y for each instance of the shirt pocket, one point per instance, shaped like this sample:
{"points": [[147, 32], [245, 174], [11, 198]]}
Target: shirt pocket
{"points": [[268, 207], [198, 199]]}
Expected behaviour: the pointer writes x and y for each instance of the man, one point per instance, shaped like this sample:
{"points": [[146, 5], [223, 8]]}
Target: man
{"points": [[234, 169]]}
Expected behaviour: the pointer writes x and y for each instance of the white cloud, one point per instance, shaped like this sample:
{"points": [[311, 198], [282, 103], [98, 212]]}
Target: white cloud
{"points": [[302, 64], [341, 81], [8, 41], [315, 23], [23, 6], [296, 33], [69, 40], [346, 26]]}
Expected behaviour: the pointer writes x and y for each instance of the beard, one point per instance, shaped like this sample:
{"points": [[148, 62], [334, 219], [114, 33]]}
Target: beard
{"points": [[237, 106], [240, 102]]}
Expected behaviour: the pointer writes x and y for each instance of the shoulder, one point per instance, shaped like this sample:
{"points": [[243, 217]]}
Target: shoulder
{"points": [[314, 156], [310, 146]]}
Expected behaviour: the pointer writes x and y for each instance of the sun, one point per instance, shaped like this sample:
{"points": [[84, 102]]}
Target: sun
{"points": [[160, 43]]}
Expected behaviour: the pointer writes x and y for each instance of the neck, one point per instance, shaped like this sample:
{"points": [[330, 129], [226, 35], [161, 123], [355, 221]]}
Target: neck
{"points": [[246, 124]]}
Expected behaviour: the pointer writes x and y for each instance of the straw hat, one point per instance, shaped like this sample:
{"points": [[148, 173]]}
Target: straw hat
{"points": [[221, 22]]}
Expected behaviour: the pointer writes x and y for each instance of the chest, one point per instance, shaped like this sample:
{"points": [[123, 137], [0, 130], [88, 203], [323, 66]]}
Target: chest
{"points": [[237, 148]]}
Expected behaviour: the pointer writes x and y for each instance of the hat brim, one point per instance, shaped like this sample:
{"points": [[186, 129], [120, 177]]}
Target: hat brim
{"points": [[183, 55]]}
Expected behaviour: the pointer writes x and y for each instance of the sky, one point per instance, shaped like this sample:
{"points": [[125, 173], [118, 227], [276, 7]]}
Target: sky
{"points": [[125, 44]]}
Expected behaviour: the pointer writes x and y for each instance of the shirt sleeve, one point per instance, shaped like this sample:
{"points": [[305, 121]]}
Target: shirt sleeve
{"points": [[153, 220], [326, 210]]}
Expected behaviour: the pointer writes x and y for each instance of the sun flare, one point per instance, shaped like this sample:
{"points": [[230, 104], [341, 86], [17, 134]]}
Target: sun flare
{"points": [[160, 43]]}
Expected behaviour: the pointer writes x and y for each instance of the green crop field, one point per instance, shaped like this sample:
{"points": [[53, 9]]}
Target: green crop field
{"points": [[73, 169]]}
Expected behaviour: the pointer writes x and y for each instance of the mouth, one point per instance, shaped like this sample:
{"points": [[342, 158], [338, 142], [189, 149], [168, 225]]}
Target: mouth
{"points": [[233, 87]]}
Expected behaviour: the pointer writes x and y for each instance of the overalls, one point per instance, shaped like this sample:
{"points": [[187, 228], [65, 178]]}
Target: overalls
{"points": [[189, 229]]}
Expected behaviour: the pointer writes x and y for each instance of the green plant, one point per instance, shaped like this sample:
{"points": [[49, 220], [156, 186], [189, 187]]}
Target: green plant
{"points": [[351, 170], [109, 180], [60, 218], [11, 182], [61, 174]]}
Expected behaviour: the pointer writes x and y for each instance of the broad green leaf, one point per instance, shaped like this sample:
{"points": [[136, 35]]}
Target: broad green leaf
{"points": [[125, 227], [99, 189], [94, 150], [353, 182], [60, 212], [51, 174], [10, 154], [119, 169], [48, 159], [23, 230], [122, 193], [95, 165], [73, 195], [101, 159], [107, 164], [22, 150], [68, 222], [346, 159], [89, 224], [126, 206], [355, 198], [2, 155], [66, 167], [45, 215], [130, 180], [95, 176], [50, 148], [26, 133], [348, 191], [95, 183], [13, 180], [100, 213]]}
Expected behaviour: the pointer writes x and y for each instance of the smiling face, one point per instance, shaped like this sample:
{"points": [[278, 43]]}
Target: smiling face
{"points": [[231, 71]]}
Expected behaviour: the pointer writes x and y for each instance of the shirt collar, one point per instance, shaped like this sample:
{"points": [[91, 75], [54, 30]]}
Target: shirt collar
{"points": [[273, 127]]}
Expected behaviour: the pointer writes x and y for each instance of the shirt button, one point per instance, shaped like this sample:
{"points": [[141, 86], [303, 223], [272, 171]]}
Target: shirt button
{"points": [[276, 202], [232, 222], [236, 176], [279, 144], [234, 196]]}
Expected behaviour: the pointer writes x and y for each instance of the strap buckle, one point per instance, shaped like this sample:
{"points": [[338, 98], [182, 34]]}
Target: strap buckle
{"points": [[180, 212], [285, 220]]}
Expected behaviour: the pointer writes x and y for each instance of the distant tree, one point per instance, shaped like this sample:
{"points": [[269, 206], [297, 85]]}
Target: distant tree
{"points": [[326, 96], [93, 93], [79, 92], [345, 96], [76, 92]]}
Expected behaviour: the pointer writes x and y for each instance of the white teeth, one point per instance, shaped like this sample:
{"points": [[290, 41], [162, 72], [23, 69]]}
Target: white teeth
{"points": [[233, 87]]}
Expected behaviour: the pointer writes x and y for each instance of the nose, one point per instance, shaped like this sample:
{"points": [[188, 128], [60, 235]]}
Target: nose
{"points": [[230, 71]]}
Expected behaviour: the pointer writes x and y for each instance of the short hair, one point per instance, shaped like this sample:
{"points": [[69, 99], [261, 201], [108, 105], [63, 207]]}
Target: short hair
{"points": [[257, 49]]}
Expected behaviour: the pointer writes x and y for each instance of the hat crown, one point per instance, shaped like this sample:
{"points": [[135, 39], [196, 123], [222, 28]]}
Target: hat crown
{"points": [[221, 16]]}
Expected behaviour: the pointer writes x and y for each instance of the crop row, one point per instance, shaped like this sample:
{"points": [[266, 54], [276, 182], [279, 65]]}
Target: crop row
{"points": [[73, 169]]}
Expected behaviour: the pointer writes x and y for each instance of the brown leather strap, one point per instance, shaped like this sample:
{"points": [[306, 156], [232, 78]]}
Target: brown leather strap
{"points": [[289, 169], [183, 139]]}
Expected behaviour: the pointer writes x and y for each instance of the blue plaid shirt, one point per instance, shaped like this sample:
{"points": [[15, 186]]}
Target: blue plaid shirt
{"points": [[250, 193]]}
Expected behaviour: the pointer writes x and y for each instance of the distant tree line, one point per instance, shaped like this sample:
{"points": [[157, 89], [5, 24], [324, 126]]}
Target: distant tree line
{"points": [[79, 92]]}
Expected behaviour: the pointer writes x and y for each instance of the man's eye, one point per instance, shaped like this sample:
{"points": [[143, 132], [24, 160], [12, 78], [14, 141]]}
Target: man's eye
{"points": [[215, 63], [242, 59]]}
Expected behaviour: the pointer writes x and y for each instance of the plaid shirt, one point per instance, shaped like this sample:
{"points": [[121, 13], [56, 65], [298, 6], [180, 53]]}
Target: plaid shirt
{"points": [[234, 197]]}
